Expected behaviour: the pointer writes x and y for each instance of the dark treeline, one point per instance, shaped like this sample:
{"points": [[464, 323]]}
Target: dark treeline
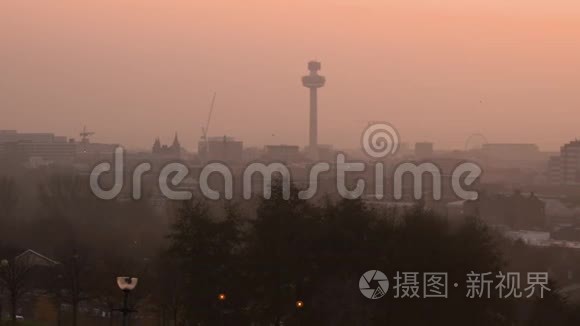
{"points": [[93, 240], [263, 255]]}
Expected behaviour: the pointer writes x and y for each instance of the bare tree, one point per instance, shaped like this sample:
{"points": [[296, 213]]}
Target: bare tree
{"points": [[13, 275], [8, 198], [73, 270]]}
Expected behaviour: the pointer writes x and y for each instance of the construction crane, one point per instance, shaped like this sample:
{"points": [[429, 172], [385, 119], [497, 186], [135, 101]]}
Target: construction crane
{"points": [[85, 135], [205, 129]]}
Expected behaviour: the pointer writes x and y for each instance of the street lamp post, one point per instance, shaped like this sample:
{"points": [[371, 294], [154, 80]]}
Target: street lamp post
{"points": [[3, 264], [222, 300], [299, 307], [126, 284]]}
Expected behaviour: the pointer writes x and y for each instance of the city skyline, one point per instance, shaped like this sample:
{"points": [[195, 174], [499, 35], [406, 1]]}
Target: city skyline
{"points": [[289, 162], [441, 71]]}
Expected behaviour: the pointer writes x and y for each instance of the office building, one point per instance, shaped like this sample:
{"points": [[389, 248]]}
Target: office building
{"points": [[223, 149]]}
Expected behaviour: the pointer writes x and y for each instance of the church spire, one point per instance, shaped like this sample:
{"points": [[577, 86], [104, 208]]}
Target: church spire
{"points": [[156, 145], [175, 140], [176, 145]]}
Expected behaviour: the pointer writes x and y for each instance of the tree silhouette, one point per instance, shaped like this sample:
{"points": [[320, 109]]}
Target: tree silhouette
{"points": [[204, 247]]}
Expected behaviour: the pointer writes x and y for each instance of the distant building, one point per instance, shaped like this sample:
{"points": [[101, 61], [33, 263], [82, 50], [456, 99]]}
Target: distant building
{"points": [[35, 149], [13, 136], [252, 154], [223, 149], [173, 151], [284, 153], [423, 150], [513, 155], [326, 152], [554, 172], [570, 163], [565, 169], [507, 151], [95, 149]]}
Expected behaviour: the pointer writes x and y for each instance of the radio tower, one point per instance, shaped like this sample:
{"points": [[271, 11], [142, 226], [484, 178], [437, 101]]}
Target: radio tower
{"points": [[313, 82]]}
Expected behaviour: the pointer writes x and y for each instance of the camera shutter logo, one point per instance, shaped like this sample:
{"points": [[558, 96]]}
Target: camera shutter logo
{"points": [[374, 278]]}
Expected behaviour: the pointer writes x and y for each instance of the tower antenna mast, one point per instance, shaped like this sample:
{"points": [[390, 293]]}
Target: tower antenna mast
{"points": [[85, 135]]}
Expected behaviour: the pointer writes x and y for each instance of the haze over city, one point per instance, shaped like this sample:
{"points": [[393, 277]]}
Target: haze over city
{"points": [[438, 70], [289, 162]]}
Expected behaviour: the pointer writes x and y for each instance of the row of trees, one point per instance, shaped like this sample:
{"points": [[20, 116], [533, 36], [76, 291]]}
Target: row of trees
{"points": [[263, 256], [294, 250]]}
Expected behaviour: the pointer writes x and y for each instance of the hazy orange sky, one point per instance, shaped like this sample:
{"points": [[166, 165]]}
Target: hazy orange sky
{"points": [[438, 70]]}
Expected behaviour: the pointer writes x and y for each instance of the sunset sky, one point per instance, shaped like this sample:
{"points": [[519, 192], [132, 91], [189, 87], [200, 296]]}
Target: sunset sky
{"points": [[437, 70]]}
